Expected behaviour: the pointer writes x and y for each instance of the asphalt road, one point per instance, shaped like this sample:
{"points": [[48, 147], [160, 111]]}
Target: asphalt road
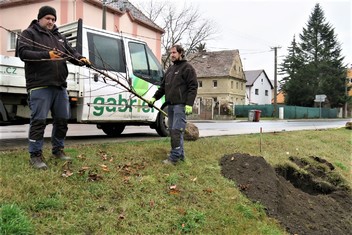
{"points": [[12, 137]]}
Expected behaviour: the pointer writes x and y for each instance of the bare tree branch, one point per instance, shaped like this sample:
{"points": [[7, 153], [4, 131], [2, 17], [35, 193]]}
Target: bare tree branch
{"points": [[182, 25]]}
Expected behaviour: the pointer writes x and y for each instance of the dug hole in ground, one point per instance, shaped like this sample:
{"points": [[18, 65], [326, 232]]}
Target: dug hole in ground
{"points": [[314, 203]]}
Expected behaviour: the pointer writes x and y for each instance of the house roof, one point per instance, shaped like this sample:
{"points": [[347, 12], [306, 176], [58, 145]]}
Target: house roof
{"points": [[213, 64], [252, 75], [135, 13]]}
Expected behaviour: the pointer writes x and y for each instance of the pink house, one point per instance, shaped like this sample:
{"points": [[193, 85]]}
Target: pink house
{"points": [[121, 16]]}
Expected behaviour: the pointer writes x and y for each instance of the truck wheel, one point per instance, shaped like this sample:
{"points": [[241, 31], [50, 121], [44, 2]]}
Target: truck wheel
{"points": [[112, 130], [162, 124]]}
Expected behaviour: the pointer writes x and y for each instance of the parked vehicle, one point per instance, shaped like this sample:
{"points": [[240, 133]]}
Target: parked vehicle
{"points": [[95, 98]]}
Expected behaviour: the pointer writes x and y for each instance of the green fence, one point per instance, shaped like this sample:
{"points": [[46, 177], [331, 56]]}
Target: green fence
{"points": [[290, 112]]}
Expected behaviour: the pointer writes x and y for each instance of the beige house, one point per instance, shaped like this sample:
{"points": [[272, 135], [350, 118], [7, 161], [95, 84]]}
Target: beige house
{"points": [[220, 76], [121, 16], [221, 83]]}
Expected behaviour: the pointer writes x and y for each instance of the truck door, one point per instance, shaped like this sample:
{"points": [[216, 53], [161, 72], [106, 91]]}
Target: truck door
{"points": [[145, 76], [107, 101]]}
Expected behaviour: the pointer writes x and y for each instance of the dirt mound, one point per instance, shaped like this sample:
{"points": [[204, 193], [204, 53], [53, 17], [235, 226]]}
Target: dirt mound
{"points": [[306, 196]]}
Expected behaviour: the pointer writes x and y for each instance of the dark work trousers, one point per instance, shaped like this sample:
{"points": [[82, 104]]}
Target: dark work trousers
{"points": [[41, 101], [177, 125]]}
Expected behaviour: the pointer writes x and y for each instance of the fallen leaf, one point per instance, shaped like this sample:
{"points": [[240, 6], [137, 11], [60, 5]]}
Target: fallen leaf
{"points": [[66, 173], [103, 155], [94, 176], [174, 192], [151, 203], [208, 190], [126, 179], [81, 156]]}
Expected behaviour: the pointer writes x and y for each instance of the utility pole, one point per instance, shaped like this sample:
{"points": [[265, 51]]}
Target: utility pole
{"points": [[275, 79]]}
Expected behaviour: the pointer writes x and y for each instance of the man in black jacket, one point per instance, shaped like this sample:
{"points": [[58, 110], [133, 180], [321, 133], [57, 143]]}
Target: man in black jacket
{"points": [[180, 89], [45, 51]]}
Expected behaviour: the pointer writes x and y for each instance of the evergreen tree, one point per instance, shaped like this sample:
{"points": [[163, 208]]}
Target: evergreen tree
{"points": [[315, 65], [291, 82]]}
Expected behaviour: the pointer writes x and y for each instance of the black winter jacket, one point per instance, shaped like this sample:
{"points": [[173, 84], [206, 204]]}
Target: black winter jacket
{"points": [[40, 70], [179, 84]]}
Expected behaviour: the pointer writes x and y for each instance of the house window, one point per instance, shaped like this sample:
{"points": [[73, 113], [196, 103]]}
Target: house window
{"points": [[256, 91], [200, 84], [266, 92], [13, 39], [215, 83], [231, 84], [241, 86], [236, 85]]}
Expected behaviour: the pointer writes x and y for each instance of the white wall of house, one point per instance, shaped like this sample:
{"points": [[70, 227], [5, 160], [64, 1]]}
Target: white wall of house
{"points": [[261, 91]]}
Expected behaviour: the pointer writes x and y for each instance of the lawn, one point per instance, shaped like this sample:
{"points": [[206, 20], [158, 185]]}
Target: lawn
{"points": [[123, 188]]}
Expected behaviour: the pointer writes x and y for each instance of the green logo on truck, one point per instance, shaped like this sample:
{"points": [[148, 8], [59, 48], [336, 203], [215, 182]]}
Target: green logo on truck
{"points": [[112, 105]]}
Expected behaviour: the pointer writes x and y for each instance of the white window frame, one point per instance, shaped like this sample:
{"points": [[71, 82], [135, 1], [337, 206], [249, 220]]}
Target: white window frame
{"points": [[12, 38]]}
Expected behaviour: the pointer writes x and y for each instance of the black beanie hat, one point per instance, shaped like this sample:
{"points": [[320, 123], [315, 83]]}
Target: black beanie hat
{"points": [[46, 10]]}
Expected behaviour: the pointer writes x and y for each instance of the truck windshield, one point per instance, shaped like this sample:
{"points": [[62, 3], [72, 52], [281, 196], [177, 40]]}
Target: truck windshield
{"points": [[106, 53]]}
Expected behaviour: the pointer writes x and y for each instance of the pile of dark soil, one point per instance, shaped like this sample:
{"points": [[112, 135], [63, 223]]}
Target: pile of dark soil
{"points": [[306, 196]]}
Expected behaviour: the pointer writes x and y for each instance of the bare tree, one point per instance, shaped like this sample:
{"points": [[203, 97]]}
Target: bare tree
{"points": [[153, 8], [183, 24]]}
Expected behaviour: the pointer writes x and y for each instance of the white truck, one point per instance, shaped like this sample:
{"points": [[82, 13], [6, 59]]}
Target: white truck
{"points": [[94, 98]]}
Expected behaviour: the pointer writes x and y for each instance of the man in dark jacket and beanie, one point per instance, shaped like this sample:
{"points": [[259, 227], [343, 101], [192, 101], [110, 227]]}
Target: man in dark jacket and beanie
{"points": [[45, 51], [180, 89]]}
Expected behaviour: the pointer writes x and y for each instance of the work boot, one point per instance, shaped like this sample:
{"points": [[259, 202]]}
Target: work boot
{"points": [[59, 154], [37, 162], [169, 162]]}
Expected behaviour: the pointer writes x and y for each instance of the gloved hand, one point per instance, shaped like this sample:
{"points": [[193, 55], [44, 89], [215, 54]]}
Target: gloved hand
{"points": [[54, 55], [188, 109], [151, 102], [85, 61]]}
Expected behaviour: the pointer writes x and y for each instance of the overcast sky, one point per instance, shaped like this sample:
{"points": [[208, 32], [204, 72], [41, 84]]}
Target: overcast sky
{"points": [[255, 26]]}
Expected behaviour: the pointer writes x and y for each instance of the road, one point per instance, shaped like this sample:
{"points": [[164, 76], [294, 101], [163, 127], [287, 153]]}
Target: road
{"points": [[16, 136]]}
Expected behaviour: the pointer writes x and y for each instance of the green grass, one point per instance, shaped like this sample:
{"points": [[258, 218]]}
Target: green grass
{"points": [[14, 221], [123, 188]]}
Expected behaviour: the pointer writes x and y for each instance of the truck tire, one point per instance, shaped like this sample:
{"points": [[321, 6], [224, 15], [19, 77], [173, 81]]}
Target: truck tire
{"points": [[112, 130], [162, 124]]}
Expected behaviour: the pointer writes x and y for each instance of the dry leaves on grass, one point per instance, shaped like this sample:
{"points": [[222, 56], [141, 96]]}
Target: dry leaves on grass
{"points": [[104, 156], [174, 190], [66, 167]]}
